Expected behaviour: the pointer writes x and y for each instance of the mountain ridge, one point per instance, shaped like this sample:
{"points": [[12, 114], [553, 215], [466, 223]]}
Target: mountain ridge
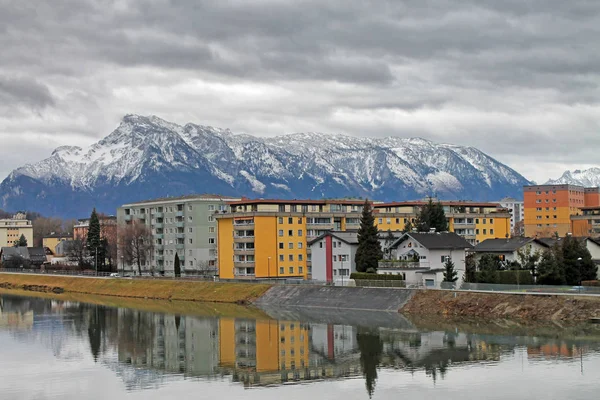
{"points": [[581, 177], [146, 156]]}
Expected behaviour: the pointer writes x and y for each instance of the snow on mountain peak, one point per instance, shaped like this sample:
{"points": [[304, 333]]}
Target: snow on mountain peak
{"points": [[587, 178]]}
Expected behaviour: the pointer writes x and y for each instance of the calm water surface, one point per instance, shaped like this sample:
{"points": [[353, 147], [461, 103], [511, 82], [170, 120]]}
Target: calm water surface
{"points": [[58, 350]]}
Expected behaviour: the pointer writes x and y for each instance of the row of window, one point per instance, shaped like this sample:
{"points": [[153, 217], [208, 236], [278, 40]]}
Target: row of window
{"points": [[290, 232], [291, 270], [547, 217], [291, 245], [290, 220], [291, 257], [211, 240], [547, 209]]}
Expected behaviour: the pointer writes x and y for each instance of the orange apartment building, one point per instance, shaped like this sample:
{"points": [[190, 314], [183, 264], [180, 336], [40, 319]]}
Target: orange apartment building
{"points": [[553, 209], [268, 238]]}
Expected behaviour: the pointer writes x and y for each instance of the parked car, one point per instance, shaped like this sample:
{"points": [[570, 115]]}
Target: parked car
{"points": [[114, 275]]}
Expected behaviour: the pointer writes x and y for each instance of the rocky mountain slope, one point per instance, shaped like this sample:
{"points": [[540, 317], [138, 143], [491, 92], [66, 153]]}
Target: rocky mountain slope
{"points": [[147, 157], [587, 177]]}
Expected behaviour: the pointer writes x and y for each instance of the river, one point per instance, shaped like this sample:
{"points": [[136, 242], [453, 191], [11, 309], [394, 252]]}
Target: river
{"points": [[51, 349]]}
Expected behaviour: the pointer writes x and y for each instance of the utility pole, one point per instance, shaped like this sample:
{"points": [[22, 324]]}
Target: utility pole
{"points": [[96, 261]]}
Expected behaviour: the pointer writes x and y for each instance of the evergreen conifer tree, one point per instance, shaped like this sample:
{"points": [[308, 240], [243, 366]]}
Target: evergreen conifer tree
{"points": [[369, 251], [576, 270], [549, 272], [177, 266], [450, 274], [94, 243], [22, 242], [432, 216]]}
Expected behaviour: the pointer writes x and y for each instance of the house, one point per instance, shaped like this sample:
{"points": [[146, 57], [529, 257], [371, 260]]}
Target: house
{"points": [[9, 253], [37, 256], [52, 240], [333, 256], [420, 257], [507, 249]]}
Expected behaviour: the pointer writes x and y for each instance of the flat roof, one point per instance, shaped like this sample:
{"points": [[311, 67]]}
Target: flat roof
{"points": [[444, 203], [205, 196], [304, 201]]}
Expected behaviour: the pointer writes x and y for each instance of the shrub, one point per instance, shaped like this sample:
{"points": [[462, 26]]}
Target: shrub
{"points": [[590, 283], [505, 277], [375, 277]]}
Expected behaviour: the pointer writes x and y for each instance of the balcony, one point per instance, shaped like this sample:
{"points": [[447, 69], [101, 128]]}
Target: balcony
{"points": [[180, 246], [159, 246], [243, 224], [128, 217], [180, 235], [179, 213], [243, 264], [243, 251], [180, 224], [397, 264], [158, 215], [243, 239], [141, 216], [158, 225], [160, 258], [158, 236]]}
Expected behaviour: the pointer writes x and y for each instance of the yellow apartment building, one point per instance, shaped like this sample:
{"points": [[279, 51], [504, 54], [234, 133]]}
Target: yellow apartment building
{"points": [[474, 221], [268, 238], [12, 229]]}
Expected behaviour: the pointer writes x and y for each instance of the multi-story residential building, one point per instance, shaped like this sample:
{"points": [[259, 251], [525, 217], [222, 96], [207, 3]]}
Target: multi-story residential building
{"points": [[52, 240], [474, 221], [108, 227], [180, 225], [548, 208], [516, 210], [268, 238], [12, 229], [586, 222]]}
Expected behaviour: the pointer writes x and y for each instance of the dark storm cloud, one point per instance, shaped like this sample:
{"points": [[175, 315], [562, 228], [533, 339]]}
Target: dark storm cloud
{"points": [[468, 72]]}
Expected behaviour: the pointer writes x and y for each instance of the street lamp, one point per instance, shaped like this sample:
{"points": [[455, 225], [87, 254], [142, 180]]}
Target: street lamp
{"points": [[269, 267], [580, 277]]}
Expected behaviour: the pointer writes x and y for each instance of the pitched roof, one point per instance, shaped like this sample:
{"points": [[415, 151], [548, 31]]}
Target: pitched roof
{"points": [[551, 241], [436, 240], [58, 235], [9, 252], [36, 253], [348, 237], [504, 245]]}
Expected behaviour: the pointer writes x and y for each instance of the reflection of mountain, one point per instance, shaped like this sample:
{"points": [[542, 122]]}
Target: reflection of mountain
{"points": [[147, 350]]}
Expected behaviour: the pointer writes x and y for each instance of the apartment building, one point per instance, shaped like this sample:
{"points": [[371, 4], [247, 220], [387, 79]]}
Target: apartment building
{"points": [[516, 210], [185, 226], [586, 222], [474, 221], [548, 208], [268, 238], [108, 227], [12, 229]]}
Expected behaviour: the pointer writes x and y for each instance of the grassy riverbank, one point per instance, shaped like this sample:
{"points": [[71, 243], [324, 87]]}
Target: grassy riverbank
{"points": [[503, 306], [157, 289]]}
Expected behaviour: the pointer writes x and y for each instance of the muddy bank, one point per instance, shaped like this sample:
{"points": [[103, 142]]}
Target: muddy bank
{"points": [[157, 289], [502, 306]]}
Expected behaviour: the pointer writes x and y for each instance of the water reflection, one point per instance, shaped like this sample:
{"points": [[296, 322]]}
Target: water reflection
{"points": [[147, 349]]}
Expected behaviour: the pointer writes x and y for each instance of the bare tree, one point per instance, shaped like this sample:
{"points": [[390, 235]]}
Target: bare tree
{"points": [[110, 236], [76, 251], [204, 268], [519, 229], [135, 243], [43, 226]]}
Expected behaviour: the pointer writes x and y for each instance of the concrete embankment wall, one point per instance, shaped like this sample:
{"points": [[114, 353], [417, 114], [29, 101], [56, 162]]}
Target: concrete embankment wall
{"points": [[532, 307], [333, 297], [158, 289]]}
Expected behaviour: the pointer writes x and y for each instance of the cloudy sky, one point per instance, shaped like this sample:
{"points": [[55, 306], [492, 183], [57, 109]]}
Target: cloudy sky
{"points": [[516, 78]]}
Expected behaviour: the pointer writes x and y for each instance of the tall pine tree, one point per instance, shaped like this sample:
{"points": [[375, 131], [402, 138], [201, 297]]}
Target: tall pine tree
{"points": [[22, 242], [549, 271], [177, 266], [369, 251], [94, 243], [432, 216], [450, 274]]}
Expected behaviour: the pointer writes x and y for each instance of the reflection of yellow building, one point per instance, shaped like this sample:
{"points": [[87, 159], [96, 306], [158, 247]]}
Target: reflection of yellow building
{"points": [[255, 350], [15, 320]]}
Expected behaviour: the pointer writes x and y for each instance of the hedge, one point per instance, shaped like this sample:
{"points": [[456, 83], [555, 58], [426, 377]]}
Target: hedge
{"points": [[506, 277], [590, 283], [375, 277]]}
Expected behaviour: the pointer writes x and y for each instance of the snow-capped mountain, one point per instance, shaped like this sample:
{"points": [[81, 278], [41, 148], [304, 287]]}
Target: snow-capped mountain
{"points": [[147, 157], [587, 177]]}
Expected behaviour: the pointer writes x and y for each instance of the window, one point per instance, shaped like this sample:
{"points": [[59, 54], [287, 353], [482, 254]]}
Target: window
{"points": [[491, 231], [300, 220], [300, 257], [381, 220], [190, 241], [388, 221], [290, 245], [445, 258], [290, 220], [484, 221], [300, 232], [485, 231], [290, 232], [211, 229], [281, 271], [190, 229], [477, 231], [299, 245], [280, 220], [291, 257], [300, 270], [476, 220], [210, 218], [491, 220], [320, 245], [170, 209], [189, 219], [280, 232], [191, 264], [211, 240], [334, 258], [291, 269], [538, 201], [281, 257], [211, 207], [334, 245], [189, 208], [281, 245], [554, 216]]}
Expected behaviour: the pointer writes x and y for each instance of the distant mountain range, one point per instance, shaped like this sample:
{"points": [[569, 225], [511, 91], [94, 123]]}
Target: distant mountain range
{"points": [[587, 178], [147, 157]]}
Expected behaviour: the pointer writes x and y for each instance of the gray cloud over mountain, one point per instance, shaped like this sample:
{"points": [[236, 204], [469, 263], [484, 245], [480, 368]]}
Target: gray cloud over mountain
{"points": [[517, 79]]}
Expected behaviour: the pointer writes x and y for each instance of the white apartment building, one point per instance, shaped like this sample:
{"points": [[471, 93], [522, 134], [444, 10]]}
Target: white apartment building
{"points": [[517, 211]]}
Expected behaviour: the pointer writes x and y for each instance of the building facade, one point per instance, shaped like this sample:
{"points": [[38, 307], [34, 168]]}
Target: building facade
{"points": [[12, 229], [108, 227], [269, 238], [549, 208], [474, 221], [333, 256], [51, 241], [517, 213], [185, 226]]}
